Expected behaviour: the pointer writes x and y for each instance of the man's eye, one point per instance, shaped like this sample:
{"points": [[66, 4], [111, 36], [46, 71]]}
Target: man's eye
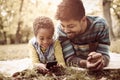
{"points": [[71, 26], [63, 26]]}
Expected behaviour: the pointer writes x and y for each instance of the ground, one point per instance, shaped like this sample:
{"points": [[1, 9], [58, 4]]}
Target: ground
{"points": [[14, 58]]}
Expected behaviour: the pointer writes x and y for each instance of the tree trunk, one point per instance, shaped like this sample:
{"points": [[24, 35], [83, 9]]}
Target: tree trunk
{"points": [[107, 15], [5, 37], [18, 34]]}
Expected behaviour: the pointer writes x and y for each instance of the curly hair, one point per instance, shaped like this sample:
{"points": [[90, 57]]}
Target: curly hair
{"points": [[42, 22], [70, 9]]}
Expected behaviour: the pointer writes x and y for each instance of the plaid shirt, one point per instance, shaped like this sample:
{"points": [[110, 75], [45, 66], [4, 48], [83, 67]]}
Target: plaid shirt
{"points": [[97, 32]]}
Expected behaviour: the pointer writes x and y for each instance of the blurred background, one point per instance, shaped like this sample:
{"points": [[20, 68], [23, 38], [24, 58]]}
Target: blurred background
{"points": [[17, 16]]}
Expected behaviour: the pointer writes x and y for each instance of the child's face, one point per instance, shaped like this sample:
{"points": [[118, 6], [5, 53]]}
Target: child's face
{"points": [[44, 37]]}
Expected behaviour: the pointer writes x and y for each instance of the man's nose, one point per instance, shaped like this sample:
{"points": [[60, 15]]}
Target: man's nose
{"points": [[66, 30]]}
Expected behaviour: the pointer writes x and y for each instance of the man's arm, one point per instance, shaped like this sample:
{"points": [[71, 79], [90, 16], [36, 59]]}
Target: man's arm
{"points": [[76, 61], [104, 43], [69, 54], [101, 56]]}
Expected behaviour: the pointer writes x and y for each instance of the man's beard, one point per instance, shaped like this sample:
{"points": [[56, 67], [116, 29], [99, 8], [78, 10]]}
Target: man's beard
{"points": [[71, 35]]}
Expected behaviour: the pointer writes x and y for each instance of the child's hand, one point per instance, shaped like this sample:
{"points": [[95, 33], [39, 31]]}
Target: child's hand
{"points": [[57, 70], [41, 68], [56, 66]]}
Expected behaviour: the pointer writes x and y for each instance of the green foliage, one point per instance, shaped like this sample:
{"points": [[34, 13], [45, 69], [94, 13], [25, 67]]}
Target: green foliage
{"points": [[115, 6], [8, 12], [11, 15]]}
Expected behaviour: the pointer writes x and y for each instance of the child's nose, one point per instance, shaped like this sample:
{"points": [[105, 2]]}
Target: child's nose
{"points": [[45, 41]]}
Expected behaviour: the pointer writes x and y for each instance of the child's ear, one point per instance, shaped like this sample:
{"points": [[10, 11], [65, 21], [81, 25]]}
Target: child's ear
{"points": [[84, 18]]}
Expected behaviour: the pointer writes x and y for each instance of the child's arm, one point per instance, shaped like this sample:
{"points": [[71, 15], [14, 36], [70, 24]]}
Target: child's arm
{"points": [[58, 53], [33, 54], [34, 57]]}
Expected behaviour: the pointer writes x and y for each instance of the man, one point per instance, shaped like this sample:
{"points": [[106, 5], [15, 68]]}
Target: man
{"points": [[84, 39]]}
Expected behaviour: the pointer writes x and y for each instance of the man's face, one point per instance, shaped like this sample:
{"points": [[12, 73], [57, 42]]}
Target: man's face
{"points": [[72, 28]]}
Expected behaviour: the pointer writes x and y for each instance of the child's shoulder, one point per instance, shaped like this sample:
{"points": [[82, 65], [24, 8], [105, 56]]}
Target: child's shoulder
{"points": [[32, 40], [56, 42]]}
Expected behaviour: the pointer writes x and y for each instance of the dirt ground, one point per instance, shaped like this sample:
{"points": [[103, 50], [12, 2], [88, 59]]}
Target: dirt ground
{"points": [[14, 58], [14, 51]]}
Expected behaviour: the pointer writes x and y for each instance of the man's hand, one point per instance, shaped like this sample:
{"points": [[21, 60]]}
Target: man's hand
{"points": [[95, 61]]}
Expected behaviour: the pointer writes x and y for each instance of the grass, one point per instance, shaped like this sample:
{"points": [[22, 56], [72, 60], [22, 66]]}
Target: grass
{"points": [[14, 51], [19, 51], [69, 74]]}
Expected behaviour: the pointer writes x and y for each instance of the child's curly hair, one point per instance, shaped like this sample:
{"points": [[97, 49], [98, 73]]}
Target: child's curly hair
{"points": [[42, 22], [70, 9]]}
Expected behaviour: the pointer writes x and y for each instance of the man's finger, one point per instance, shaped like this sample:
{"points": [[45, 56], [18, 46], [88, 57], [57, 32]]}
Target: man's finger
{"points": [[97, 55], [101, 65], [92, 53], [89, 58], [93, 65]]}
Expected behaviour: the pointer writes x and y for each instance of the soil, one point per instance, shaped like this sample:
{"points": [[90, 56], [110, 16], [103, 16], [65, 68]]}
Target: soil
{"points": [[64, 74]]}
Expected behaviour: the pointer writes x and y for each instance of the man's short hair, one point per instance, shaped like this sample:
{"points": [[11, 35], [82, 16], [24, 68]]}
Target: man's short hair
{"points": [[42, 22], [70, 9]]}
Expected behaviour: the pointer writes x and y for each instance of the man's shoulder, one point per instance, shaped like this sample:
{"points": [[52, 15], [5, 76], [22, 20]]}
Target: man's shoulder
{"points": [[98, 22], [97, 19]]}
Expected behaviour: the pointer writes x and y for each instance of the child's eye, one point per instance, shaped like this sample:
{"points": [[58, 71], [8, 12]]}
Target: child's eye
{"points": [[41, 38], [50, 38]]}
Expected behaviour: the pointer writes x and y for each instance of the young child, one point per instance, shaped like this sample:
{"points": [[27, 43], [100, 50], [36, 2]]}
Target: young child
{"points": [[42, 47]]}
